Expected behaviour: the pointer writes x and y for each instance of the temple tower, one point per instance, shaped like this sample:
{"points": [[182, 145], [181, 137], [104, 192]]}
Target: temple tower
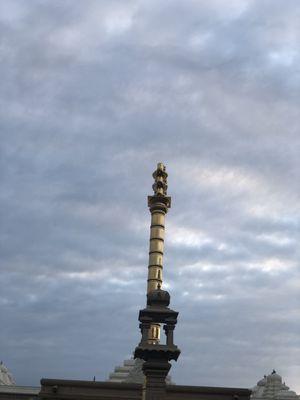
{"points": [[156, 354], [158, 204]]}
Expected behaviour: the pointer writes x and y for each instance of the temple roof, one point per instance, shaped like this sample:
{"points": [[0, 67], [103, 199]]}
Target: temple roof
{"points": [[131, 372], [271, 387], [6, 377]]}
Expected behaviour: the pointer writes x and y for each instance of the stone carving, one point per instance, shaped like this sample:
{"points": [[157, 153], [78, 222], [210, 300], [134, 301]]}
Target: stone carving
{"points": [[271, 387], [6, 377]]}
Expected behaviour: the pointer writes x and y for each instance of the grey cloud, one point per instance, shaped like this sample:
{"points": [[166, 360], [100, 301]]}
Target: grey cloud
{"points": [[92, 96]]}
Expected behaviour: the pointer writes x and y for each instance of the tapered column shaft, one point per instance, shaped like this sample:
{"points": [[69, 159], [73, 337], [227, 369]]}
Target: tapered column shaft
{"points": [[158, 205], [156, 250]]}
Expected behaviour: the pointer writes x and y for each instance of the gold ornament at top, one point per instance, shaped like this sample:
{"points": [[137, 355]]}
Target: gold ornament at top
{"points": [[160, 184]]}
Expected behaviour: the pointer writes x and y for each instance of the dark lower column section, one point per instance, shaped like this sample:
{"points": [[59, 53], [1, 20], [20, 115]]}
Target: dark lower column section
{"points": [[155, 372]]}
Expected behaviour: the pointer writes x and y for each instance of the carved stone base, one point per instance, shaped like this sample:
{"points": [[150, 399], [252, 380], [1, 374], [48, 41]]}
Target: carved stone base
{"points": [[154, 387]]}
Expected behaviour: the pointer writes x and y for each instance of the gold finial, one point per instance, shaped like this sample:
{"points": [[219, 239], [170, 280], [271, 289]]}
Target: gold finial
{"points": [[160, 185]]}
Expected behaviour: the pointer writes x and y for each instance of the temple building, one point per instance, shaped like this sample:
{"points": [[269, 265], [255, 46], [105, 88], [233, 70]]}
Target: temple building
{"points": [[9, 390], [271, 387], [6, 377], [145, 376]]}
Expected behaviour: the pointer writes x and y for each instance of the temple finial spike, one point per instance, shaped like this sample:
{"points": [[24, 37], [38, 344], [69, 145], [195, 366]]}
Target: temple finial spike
{"points": [[160, 176]]}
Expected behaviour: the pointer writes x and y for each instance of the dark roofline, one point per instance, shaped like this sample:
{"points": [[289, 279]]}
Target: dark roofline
{"points": [[208, 389], [123, 385], [98, 384]]}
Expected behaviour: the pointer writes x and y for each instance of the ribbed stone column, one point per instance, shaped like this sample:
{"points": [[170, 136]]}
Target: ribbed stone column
{"points": [[158, 205], [156, 249], [154, 387]]}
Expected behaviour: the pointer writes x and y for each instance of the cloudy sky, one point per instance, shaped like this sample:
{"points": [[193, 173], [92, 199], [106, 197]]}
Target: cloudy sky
{"points": [[93, 94]]}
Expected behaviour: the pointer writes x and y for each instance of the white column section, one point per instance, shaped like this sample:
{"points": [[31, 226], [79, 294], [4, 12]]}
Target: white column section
{"points": [[156, 250]]}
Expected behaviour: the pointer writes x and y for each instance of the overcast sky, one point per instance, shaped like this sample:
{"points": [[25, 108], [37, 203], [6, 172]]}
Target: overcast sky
{"points": [[93, 94]]}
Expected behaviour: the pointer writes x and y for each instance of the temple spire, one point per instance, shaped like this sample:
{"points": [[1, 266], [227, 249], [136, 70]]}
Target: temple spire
{"points": [[158, 204], [155, 353]]}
